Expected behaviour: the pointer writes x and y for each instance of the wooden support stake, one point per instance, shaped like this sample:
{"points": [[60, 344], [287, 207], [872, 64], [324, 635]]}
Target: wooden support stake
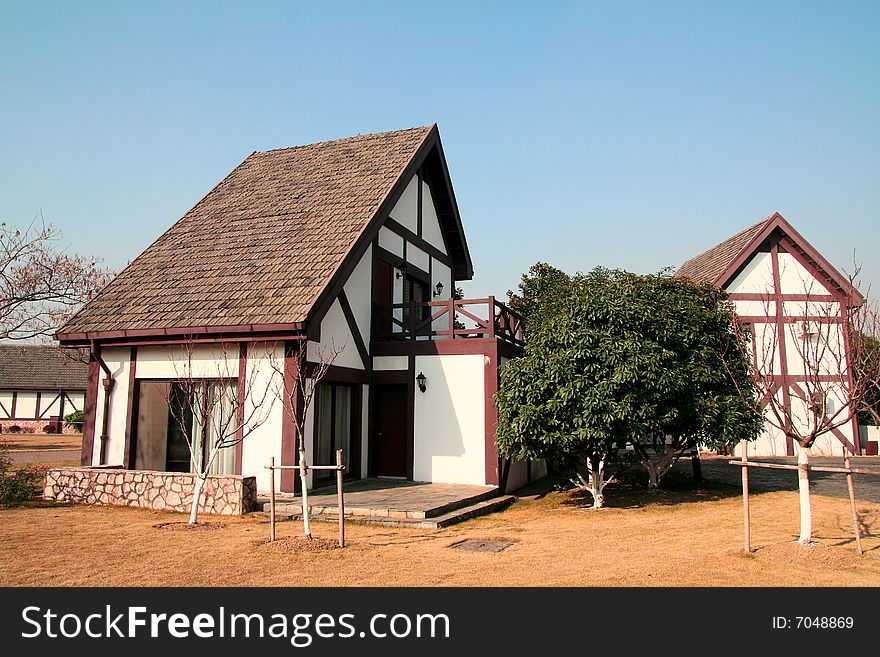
{"points": [[852, 504], [745, 485], [271, 499], [340, 501]]}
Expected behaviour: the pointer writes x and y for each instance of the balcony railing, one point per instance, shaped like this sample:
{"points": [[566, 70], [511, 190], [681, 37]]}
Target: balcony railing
{"points": [[455, 319]]}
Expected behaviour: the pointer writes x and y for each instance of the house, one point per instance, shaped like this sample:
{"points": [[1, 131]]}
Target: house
{"points": [[39, 385], [786, 292], [355, 243]]}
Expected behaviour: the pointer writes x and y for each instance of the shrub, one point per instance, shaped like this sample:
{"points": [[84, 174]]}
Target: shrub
{"points": [[74, 420], [14, 429], [50, 428], [18, 486]]}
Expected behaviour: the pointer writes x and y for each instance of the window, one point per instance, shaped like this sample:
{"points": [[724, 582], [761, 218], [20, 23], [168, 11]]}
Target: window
{"points": [[415, 291], [201, 415], [334, 427]]}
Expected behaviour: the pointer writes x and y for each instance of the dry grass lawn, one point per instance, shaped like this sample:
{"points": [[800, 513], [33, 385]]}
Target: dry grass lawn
{"points": [[30, 441], [677, 538]]}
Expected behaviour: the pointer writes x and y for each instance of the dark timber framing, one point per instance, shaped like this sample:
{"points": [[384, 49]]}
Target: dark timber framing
{"points": [[90, 408], [427, 166], [354, 329], [132, 412], [778, 236]]}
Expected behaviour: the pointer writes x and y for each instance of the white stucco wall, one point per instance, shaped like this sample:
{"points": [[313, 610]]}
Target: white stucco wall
{"points": [[263, 440], [173, 362], [794, 279], [405, 212], [419, 258], [449, 444], [77, 399], [757, 277], [26, 404], [430, 223], [358, 291], [5, 403], [335, 335], [390, 362], [391, 241], [118, 360]]}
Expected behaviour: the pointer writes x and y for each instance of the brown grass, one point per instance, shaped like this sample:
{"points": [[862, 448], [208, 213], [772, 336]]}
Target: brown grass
{"points": [[670, 538], [43, 441]]}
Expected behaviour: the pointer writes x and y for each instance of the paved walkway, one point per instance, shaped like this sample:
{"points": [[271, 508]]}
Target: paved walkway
{"points": [[416, 498], [867, 487]]}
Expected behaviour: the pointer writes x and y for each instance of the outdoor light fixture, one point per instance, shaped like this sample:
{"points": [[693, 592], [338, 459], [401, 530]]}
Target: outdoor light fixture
{"points": [[401, 270], [438, 289], [421, 381]]}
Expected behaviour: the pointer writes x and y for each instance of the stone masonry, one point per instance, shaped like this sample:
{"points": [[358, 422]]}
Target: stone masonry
{"points": [[161, 491]]}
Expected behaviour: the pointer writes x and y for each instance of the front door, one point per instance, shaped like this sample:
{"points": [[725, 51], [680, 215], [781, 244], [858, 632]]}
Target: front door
{"points": [[389, 430]]}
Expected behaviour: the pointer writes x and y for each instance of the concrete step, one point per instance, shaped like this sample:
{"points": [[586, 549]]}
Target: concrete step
{"points": [[451, 517], [294, 507]]}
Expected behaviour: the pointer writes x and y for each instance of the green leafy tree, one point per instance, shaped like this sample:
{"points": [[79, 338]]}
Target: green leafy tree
{"points": [[541, 282], [607, 362], [701, 402], [74, 420]]}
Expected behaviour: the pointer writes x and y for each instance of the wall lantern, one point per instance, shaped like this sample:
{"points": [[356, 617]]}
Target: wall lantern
{"points": [[421, 381], [401, 271], [438, 289]]}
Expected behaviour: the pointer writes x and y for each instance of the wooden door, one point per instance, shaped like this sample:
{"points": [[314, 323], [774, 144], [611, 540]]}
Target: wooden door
{"points": [[389, 430]]}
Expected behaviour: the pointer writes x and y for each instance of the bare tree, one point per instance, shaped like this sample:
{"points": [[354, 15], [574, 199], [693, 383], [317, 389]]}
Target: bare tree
{"points": [[40, 284], [298, 392], [813, 369], [214, 408]]}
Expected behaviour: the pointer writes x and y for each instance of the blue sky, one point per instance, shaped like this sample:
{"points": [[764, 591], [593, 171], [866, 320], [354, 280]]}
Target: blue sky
{"points": [[623, 134]]}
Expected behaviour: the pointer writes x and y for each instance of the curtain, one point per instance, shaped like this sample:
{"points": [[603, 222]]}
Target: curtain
{"points": [[221, 426], [342, 437], [324, 428]]}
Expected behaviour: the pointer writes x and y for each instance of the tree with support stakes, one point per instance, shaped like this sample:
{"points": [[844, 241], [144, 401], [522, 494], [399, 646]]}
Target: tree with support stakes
{"points": [[214, 407], [833, 345], [311, 362], [613, 356]]}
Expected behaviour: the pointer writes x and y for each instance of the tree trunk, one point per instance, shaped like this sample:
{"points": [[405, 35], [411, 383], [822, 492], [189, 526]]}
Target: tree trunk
{"points": [[197, 496], [806, 536], [597, 481], [307, 527], [657, 470]]}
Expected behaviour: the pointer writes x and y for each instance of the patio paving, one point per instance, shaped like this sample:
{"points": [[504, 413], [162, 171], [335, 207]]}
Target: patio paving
{"points": [[395, 502], [867, 487]]}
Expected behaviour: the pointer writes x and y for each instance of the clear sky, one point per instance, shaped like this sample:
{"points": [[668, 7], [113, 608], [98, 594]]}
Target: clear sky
{"points": [[624, 134]]}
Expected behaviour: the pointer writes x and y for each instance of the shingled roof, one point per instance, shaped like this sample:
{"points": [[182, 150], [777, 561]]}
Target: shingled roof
{"points": [[261, 247], [709, 265], [39, 367], [721, 263]]}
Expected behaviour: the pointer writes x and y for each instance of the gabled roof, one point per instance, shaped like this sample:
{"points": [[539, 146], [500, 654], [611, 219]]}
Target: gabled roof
{"points": [[40, 367], [706, 267], [721, 264], [260, 250]]}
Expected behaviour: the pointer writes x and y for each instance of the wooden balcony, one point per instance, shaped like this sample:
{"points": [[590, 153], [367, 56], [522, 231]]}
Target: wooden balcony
{"points": [[455, 319]]}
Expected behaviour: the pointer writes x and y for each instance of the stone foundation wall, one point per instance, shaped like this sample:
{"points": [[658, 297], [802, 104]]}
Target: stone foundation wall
{"points": [[161, 491], [34, 427]]}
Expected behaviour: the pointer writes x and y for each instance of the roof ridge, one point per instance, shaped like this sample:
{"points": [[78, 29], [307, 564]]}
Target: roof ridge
{"points": [[359, 136]]}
